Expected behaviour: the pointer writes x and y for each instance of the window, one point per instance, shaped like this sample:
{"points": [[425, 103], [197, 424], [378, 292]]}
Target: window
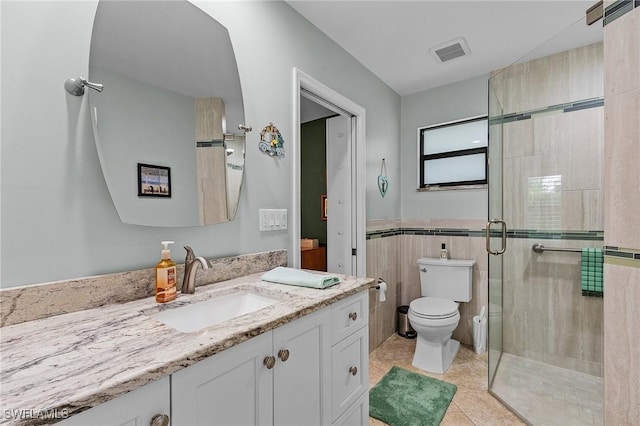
{"points": [[454, 153]]}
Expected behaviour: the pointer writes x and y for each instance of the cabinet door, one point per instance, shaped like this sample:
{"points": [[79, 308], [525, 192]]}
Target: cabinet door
{"points": [[135, 408], [301, 388], [349, 371], [231, 388]]}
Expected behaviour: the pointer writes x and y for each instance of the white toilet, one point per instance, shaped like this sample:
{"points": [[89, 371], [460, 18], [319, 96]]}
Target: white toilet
{"points": [[444, 283]]}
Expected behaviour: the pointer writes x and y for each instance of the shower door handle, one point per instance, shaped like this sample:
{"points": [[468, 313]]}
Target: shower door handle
{"points": [[487, 234]]}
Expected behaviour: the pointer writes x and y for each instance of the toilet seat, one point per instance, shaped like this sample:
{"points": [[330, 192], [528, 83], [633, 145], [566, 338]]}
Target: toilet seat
{"points": [[433, 308]]}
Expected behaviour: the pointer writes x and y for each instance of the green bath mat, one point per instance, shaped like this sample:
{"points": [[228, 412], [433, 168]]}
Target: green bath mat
{"points": [[403, 398]]}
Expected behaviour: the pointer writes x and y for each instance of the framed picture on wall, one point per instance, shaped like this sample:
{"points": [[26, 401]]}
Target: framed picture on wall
{"points": [[323, 206], [154, 181]]}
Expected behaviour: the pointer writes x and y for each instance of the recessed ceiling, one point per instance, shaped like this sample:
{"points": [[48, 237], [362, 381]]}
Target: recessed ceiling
{"points": [[393, 38]]}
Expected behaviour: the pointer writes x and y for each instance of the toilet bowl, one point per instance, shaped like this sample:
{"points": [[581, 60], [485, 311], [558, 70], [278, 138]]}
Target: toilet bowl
{"points": [[435, 316]]}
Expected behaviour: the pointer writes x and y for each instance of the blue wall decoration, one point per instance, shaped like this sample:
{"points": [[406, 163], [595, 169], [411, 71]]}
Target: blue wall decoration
{"points": [[383, 181]]}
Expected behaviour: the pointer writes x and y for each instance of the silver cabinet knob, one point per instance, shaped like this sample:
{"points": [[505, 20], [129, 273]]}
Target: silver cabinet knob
{"points": [[353, 316], [283, 354], [159, 420], [353, 370], [269, 361]]}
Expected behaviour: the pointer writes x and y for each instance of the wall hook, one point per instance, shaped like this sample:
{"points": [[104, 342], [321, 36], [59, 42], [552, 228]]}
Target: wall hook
{"points": [[75, 86]]}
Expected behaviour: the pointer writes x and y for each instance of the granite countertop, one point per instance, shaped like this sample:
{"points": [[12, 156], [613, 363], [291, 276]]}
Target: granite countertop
{"points": [[69, 363]]}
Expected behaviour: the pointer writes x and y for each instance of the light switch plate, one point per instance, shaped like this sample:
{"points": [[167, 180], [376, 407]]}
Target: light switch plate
{"points": [[272, 219]]}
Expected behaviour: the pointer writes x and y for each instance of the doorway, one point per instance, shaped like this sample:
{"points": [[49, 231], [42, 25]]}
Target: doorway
{"points": [[345, 177]]}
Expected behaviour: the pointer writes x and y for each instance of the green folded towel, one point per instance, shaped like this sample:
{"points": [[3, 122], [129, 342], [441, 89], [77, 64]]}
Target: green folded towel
{"points": [[290, 276], [591, 272]]}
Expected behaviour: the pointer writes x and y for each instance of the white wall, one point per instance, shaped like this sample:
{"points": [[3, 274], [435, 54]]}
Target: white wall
{"points": [[456, 101], [58, 221]]}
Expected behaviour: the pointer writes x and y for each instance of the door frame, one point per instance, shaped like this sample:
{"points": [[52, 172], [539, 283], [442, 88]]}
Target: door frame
{"points": [[302, 80]]}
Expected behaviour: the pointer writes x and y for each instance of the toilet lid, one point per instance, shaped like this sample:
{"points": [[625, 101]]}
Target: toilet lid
{"points": [[434, 307]]}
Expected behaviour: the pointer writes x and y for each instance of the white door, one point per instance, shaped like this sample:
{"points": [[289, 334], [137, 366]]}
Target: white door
{"points": [[339, 196]]}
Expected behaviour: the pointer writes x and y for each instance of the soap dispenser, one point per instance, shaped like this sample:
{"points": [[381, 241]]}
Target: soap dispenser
{"points": [[166, 276], [444, 254]]}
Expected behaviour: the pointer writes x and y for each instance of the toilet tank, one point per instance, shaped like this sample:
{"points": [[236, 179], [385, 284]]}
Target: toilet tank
{"points": [[446, 278]]}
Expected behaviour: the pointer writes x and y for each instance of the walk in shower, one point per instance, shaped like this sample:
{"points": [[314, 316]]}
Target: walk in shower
{"points": [[546, 140]]}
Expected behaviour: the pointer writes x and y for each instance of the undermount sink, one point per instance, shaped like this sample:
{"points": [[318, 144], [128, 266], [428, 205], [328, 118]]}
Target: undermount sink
{"points": [[219, 309]]}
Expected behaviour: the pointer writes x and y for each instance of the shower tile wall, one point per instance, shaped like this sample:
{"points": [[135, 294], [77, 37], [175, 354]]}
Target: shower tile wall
{"points": [[564, 77], [553, 168], [622, 221], [399, 268]]}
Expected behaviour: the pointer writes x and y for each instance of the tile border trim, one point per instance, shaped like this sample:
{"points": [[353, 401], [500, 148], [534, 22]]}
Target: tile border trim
{"points": [[617, 9], [561, 108], [614, 255], [466, 232]]}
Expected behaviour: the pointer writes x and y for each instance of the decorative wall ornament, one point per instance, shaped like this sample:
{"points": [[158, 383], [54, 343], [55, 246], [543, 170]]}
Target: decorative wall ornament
{"points": [[271, 141], [383, 181]]}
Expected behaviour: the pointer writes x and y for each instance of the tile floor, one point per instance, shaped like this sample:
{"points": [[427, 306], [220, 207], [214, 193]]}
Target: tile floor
{"points": [[471, 405], [549, 395]]}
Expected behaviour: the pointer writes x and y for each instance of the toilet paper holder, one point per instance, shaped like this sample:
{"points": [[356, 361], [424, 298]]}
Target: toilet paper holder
{"points": [[376, 285], [381, 287]]}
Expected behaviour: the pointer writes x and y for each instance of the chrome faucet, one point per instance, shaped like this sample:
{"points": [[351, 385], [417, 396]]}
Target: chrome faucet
{"points": [[190, 268]]}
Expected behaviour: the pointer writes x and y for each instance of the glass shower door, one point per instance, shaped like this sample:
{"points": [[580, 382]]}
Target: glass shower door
{"points": [[546, 149], [495, 237]]}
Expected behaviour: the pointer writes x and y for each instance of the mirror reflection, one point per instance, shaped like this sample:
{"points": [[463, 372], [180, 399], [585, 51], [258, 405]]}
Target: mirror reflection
{"points": [[172, 99]]}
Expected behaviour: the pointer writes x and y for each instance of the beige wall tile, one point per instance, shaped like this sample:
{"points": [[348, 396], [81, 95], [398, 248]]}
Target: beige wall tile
{"points": [[611, 418], [621, 172], [541, 294], [622, 342], [382, 262], [563, 77], [622, 56]]}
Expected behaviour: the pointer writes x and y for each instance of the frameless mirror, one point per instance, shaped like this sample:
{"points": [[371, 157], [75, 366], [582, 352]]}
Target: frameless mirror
{"points": [[166, 124]]}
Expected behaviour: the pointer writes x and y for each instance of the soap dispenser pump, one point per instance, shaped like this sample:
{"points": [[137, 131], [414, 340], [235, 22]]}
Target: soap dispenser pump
{"points": [[166, 276]]}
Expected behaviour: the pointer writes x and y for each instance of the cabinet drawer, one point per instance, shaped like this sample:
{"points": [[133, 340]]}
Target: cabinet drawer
{"points": [[349, 315], [357, 414], [349, 371]]}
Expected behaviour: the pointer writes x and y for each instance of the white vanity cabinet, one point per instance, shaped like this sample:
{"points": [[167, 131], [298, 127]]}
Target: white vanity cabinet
{"points": [[319, 375], [311, 371], [350, 361], [280, 377], [136, 408]]}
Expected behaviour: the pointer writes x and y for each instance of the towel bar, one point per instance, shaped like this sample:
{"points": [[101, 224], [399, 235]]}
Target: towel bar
{"points": [[539, 248]]}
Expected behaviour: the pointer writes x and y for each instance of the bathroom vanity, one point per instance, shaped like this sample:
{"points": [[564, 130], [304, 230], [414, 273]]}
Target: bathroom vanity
{"points": [[301, 360]]}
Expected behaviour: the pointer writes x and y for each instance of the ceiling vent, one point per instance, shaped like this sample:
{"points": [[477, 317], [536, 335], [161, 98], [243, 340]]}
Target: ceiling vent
{"points": [[450, 50]]}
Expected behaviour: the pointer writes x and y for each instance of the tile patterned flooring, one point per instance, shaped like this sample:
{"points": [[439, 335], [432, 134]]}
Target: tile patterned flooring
{"points": [[472, 403], [549, 395]]}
